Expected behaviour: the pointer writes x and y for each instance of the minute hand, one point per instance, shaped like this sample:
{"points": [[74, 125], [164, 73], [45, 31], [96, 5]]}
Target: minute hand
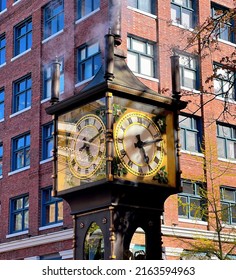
{"points": [[94, 137], [152, 141]]}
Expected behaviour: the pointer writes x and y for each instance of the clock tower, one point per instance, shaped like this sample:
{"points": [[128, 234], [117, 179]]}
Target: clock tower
{"points": [[116, 158]]}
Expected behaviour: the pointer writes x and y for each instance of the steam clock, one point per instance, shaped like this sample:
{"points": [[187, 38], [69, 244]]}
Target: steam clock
{"points": [[116, 160]]}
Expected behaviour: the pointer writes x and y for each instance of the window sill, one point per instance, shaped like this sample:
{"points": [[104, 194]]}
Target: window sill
{"points": [[18, 170], [3, 11], [191, 89], [83, 82], [193, 153], [87, 16], [142, 12], [227, 160], [182, 26], [228, 100], [227, 42], [52, 36], [146, 77], [1, 176], [21, 54], [19, 112], [2, 120], [51, 226], [3, 64], [15, 3], [17, 234], [46, 160], [191, 221]]}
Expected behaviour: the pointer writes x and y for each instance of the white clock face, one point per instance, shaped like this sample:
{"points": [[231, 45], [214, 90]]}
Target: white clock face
{"points": [[139, 144], [87, 149]]}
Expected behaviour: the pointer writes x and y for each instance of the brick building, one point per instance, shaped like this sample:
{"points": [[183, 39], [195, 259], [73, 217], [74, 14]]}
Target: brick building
{"points": [[36, 225]]}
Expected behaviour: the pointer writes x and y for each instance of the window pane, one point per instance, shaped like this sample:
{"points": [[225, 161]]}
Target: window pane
{"points": [[229, 195], [231, 149], [187, 18], [221, 148], [175, 14], [18, 222], [183, 206], [225, 212], [233, 211], [182, 139], [50, 213], [192, 144], [60, 211], [93, 49], [189, 78], [145, 5], [18, 204], [26, 219], [185, 121], [138, 46], [195, 208], [187, 187], [133, 61], [146, 67]]}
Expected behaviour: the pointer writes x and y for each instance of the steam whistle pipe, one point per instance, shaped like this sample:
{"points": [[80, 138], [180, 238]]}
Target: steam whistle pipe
{"points": [[175, 75], [55, 87], [109, 56], [115, 20]]}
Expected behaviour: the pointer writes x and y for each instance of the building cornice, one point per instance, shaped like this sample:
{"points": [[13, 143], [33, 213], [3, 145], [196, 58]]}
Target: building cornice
{"points": [[36, 240]]}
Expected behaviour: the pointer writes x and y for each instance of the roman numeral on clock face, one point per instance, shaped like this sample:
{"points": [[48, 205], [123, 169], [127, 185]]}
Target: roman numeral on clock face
{"points": [[123, 153]]}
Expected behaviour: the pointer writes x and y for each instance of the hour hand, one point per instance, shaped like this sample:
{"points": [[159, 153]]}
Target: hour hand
{"points": [[140, 145]]}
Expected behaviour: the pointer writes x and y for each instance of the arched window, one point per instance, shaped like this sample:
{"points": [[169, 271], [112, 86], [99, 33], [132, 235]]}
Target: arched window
{"points": [[94, 243]]}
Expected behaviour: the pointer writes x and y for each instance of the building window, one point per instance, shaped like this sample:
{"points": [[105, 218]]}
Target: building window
{"points": [[2, 49], [23, 36], [48, 79], [224, 83], [226, 140], [192, 201], [3, 5], [22, 94], [21, 152], [89, 61], [1, 104], [85, 7], [188, 71], [228, 205], [191, 136], [19, 214], [47, 141], [140, 56], [182, 12], [143, 5], [53, 17], [52, 208], [1, 157], [224, 28], [55, 256]]}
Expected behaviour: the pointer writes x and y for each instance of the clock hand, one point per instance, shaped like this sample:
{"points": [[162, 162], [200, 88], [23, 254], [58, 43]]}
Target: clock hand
{"points": [[94, 137], [84, 146], [140, 145], [152, 141]]}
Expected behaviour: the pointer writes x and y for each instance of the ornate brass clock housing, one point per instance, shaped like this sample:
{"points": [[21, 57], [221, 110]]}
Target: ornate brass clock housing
{"points": [[143, 143], [81, 146]]}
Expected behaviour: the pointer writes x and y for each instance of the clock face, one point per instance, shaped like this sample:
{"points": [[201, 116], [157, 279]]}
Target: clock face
{"points": [[87, 146], [139, 144]]}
